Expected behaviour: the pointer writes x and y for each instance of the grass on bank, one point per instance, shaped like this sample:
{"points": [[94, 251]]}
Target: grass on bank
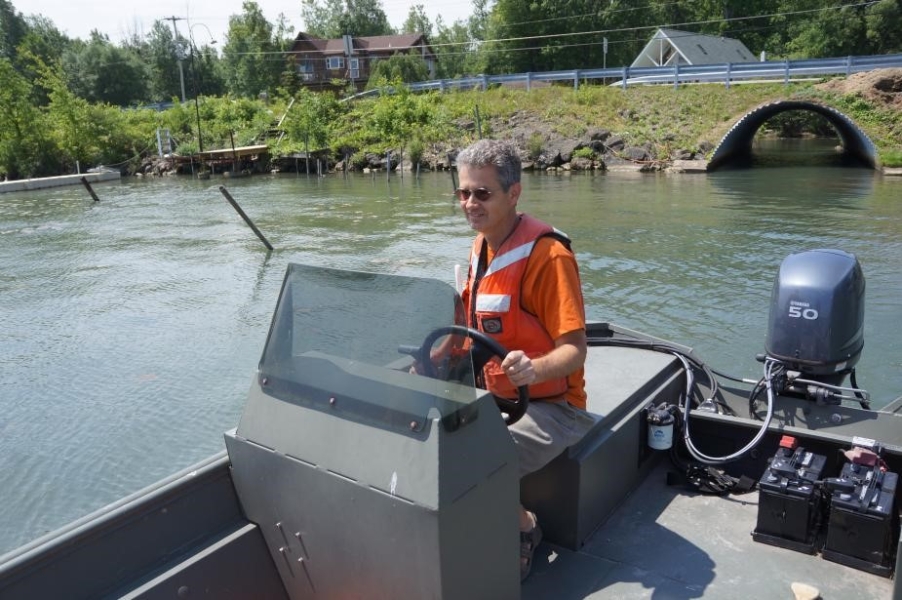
{"points": [[661, 118]]}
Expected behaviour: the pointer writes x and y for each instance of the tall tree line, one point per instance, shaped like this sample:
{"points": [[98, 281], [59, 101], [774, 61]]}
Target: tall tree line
{"points": [[567, 34], [60, 98], [499, 36]]}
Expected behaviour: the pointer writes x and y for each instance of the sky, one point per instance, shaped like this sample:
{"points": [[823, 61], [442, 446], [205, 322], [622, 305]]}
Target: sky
{"points": [[121, 18]]}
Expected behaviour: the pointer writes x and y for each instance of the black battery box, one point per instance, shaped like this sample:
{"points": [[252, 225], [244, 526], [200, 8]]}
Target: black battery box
{"points": [[863, 524], [789, 501]]}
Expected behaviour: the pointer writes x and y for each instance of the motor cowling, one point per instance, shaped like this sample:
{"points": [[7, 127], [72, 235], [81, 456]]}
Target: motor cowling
{"points": [[816, 324]]}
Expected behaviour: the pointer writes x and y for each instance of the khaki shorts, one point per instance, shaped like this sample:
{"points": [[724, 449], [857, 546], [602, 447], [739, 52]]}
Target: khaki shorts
{"points": [[546, 430]]}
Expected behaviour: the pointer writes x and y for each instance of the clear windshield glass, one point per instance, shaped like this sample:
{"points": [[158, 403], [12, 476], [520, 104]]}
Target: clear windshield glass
{"points": [[346, 342]]}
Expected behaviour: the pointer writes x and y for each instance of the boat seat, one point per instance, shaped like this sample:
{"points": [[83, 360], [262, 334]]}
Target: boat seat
{"points": [[574, 494]]}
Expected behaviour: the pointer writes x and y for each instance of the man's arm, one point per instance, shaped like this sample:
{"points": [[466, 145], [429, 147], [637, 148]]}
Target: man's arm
{"points": [[568, 355]]}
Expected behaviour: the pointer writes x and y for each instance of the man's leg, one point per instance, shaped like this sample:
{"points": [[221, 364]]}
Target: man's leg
{"points": [[546, 430]]}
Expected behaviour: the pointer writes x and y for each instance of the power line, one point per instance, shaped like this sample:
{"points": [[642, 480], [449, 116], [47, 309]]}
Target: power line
{"points": [[636, 28], [178, 56], [668, 26]]}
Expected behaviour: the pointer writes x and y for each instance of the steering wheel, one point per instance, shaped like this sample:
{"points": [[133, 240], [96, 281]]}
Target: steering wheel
{"points": [[483, 350]]}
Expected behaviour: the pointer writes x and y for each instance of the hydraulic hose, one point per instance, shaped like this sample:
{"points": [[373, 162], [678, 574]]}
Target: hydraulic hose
{"points": [[717, 460]]}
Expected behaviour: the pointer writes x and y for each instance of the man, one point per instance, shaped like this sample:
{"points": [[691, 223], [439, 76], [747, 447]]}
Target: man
{"points": [[523, 289]]}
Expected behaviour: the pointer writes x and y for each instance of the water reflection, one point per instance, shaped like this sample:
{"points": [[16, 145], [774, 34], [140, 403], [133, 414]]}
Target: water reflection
{"points": [[797, 152], [805, 192]]}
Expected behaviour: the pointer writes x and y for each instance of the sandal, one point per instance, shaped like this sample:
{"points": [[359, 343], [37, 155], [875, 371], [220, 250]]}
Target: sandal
{"points": [[529, 541]]}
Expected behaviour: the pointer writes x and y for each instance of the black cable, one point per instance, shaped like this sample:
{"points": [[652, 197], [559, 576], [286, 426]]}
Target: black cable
{"points": [[690, 365], [661, 346], [702, 478], [730, 377], [753, 398], [864, 402]]}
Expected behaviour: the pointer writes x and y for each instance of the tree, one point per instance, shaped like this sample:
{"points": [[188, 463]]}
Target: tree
{"points": [[396, 113], [838, 30], [251, 57], [884, 22], [331, 19], [161, 54], [454, 50], [42, 44], [322, 18], [12, 30], [401, 67], [478, 22], [417, 21], [365, 18], [21, 136], [70, 120], [206, 71], [103, 73], [308, 119], [289, 78], [238, 119]]}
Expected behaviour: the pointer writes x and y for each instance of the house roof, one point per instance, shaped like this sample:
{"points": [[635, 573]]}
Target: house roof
{"points": [[374, 43], [693, 48]]}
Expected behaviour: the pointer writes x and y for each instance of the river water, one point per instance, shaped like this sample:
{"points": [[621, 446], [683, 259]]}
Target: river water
{"points": [[130, 328]]}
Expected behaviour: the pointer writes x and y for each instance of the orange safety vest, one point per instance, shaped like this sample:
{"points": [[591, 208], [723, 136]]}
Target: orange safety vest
{"points": [[493, 300]]}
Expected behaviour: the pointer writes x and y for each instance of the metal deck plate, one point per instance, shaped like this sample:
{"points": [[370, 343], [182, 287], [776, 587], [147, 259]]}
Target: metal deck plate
{"points": [[666, 542]]}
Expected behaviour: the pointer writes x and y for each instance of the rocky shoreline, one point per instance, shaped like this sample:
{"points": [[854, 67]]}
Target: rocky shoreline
{"points": [[540, 149]]}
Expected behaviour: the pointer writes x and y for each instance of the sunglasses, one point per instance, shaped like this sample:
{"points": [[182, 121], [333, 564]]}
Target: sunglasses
{"points": [[482, 194]]}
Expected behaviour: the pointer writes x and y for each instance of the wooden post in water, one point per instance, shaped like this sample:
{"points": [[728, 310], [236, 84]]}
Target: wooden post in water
{"points": [[247, 219], [84, 181], [234, 154], [453, 177]]}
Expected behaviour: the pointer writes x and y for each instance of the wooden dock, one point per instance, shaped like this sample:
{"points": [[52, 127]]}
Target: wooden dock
{"points": [[227, 154], [40, 183]]}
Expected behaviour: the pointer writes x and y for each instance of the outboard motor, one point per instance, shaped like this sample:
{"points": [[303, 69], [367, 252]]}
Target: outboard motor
{"points": [[816, 323]]}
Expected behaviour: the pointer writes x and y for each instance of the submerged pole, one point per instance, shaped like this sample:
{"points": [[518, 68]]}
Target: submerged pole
{"points": [[247, 219], [84, 181], [451, 167]]}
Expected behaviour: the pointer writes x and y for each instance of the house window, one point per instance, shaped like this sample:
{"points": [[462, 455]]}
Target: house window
{"points": [[335, 62], [355, 68], [306, 70], [667, 54]]}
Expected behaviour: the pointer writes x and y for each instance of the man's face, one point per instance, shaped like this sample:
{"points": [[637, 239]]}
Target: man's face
{"points": [[493, 214]]}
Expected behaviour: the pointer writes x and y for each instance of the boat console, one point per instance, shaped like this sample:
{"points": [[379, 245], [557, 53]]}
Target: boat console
{"points": [[368, 480]]}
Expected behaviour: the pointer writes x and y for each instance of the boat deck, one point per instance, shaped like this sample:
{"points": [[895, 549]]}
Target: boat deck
{"points": [[668, 542]]}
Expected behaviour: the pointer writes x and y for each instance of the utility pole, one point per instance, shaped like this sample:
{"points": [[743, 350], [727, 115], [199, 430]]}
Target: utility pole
{"points": [[192, 48], [178, 54]]}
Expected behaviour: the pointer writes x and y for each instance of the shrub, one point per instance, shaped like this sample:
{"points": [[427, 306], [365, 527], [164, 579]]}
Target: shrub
{"points": [[415, 150], [535, 144], [891, 158]]}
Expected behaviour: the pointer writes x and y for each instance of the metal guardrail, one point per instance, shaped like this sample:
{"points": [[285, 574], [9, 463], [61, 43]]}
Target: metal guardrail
{"points": [[725, 73]]}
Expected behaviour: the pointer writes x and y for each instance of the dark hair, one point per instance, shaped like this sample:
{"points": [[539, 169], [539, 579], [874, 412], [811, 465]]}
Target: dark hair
{"points": [[502, 155]]}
